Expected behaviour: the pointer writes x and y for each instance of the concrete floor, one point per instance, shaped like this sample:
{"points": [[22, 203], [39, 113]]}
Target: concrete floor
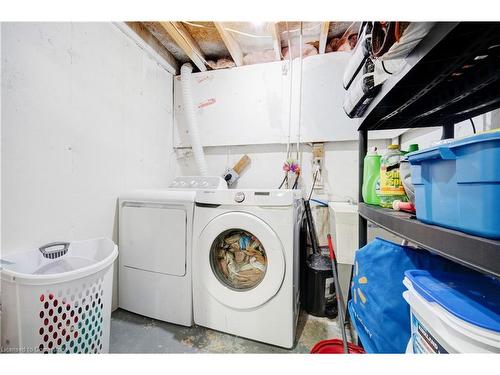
{"points": [[131, 333]]}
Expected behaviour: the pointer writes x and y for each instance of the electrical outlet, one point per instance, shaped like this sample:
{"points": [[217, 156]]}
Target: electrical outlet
{"points": [[318, 150], [318, 160]]}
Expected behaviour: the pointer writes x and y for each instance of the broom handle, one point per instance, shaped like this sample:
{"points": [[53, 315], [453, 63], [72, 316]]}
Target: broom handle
{"points": [[338, 294], [310, 226]]}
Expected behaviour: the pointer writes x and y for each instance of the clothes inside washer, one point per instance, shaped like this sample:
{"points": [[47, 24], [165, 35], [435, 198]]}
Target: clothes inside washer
{"points": [[238, 259]]}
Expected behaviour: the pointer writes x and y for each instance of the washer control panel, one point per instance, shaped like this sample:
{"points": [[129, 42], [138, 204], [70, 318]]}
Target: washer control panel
{"points": [[198, 182], [239, 197]]}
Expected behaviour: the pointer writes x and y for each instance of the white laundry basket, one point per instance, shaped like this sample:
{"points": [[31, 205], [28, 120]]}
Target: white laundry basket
{"points": [[57, 299]]}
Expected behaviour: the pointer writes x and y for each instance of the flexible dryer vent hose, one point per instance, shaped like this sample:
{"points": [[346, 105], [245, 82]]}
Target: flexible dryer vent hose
{"points": [[194, 134]]}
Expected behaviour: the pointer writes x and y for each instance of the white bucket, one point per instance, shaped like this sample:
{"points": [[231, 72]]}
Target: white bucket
{"points": [[436, 330], [59, 302]]}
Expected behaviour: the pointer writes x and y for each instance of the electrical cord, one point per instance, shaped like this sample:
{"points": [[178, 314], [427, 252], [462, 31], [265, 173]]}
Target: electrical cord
{"points": [[282, 182], [473, 126], [296, 183], [310, 194], [312, 187], [298, 154], [290, 64], [316, 26], [319, 201]]}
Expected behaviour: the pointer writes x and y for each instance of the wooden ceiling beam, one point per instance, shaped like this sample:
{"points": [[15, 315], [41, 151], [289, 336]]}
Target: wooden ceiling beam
{"points": [[323, 36], [147, 41], [276, 40], [231, 44], [186, 42]]}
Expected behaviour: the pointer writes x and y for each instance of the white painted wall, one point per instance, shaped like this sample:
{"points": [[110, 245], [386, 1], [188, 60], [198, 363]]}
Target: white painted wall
{"points": [[86, 115], [426, 136], [251, 104], [245, 111], [341, 166]]}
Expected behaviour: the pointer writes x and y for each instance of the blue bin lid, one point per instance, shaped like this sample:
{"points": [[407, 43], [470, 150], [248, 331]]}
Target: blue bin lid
{"points": [[474, 298], [444, 149]]}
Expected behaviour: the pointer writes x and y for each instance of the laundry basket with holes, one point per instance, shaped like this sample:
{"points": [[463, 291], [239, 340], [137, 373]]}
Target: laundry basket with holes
{"points": [[57, 299]]}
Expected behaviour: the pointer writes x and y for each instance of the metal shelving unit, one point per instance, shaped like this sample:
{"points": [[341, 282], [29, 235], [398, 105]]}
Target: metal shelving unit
{"points": [[478, 253], [451, 76]]}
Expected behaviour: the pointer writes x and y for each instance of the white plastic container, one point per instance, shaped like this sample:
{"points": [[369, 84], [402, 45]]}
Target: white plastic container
{"points": [[57, 299], [450, 316]]}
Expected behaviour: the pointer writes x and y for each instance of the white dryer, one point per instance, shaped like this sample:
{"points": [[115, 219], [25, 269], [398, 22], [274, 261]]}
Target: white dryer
{"points": [[155, 233], [246, 263]]}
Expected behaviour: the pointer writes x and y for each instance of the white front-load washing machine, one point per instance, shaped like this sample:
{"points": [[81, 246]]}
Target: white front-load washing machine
{"points": [[155, 233], [246, 263]]}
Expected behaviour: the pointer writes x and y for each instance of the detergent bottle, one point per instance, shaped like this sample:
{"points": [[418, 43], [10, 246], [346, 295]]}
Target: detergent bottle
{"points": [[391, 187], [371, 177], [411, 148]]}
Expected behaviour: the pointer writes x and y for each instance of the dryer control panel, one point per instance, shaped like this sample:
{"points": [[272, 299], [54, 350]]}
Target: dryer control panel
{"points": [[198, 182]]}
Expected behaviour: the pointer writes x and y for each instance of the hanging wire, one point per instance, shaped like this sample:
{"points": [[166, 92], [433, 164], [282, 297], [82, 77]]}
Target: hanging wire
{"points": [[473, 125], [316, 26], [312, 187], [228, 29], [298, 155], [296, 182], [283, 181], [249, 34], [197, 25], [290, 64]]}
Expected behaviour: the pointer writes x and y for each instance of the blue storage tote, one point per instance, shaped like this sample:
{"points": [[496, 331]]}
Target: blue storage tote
{"points": [[457, 185], [377, 308]]}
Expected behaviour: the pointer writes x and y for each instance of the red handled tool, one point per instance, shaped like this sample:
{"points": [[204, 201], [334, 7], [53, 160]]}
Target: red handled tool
{"points": [[333, 346], [338, 294]]}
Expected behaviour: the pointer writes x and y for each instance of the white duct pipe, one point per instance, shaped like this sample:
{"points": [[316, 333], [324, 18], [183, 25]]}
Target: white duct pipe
{"points": [[194, 134]]}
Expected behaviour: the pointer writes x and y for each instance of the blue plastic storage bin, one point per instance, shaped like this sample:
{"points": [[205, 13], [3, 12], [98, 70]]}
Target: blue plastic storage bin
{"points": [[457, 185]]}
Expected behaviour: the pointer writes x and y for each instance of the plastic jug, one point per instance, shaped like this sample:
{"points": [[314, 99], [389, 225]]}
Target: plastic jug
{"points": [[411, 148], [371, 177], [391, 187]]}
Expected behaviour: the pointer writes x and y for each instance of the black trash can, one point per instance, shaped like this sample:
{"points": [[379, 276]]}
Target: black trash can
{"points": [[319, 286]]}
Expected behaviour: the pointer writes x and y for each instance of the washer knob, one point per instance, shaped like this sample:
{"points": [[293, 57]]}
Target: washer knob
{"points": [[239, 197]]}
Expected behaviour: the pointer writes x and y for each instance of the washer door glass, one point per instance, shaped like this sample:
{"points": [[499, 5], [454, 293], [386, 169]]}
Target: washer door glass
{"points": [[238, 259]]}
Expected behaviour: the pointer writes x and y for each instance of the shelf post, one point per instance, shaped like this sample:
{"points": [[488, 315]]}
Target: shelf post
{"points": [[362, 223], [448, 131]]}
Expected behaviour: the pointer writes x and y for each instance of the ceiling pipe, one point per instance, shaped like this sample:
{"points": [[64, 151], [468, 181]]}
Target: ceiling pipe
{"points": [[193, 131]]}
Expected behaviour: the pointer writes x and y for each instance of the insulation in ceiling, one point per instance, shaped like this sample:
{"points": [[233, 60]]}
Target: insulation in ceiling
{"points": [[164, 38], [208, 39], [254, 39]]}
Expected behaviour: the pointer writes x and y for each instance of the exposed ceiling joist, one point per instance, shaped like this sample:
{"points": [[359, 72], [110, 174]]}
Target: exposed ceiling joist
{"points": [[325, 26], [143, 37], [276, 40], [185, 41], [231, 44]]}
